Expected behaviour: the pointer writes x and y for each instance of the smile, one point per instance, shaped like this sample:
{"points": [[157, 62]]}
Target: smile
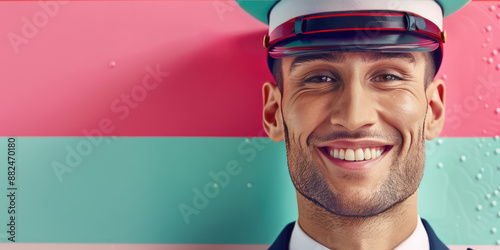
{"points": [[360, 154], [355, 157]]}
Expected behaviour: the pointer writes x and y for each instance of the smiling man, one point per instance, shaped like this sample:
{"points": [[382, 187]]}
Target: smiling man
{"points": [[355, 99]]}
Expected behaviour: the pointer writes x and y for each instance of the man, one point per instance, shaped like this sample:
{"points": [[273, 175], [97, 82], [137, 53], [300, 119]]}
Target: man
{"points": [[355, 100]]}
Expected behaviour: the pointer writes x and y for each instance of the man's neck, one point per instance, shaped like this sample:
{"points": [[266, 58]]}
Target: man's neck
{"points": [[384, 231]]}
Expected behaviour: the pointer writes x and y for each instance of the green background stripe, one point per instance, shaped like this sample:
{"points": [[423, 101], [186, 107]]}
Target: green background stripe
{"points": [[129, 190]]}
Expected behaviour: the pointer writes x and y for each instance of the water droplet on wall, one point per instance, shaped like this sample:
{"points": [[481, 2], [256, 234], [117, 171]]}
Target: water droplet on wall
{"points": [[479, 208], [479, 176], [463, 158]]}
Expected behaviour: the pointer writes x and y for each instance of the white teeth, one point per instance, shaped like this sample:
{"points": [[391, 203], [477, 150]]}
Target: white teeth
{"points": [[349, 155], [368, 154], [359, 154]]}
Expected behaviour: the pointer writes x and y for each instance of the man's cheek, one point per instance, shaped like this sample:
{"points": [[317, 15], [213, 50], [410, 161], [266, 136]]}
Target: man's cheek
{"points": [[299, 119], [405, 114], [404, 111]]}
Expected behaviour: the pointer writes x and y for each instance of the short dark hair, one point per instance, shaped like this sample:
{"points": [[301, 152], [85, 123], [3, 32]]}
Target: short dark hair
{"points": [[430, 71]]}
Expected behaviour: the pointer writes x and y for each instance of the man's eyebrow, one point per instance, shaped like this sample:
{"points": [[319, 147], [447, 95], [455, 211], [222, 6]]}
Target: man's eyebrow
{"points": [[339, 57], [377, 56], [328, 57]]}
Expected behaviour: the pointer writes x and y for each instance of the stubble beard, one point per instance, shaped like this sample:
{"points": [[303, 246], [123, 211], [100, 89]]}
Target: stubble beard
{"points": [[402, 181]]}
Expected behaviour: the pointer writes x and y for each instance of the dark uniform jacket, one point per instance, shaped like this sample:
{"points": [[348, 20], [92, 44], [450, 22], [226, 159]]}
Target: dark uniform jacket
{"points": [[281, 243]]}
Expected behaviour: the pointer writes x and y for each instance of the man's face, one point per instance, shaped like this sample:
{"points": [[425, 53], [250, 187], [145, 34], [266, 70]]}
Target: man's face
{"points": [[354, 126]]}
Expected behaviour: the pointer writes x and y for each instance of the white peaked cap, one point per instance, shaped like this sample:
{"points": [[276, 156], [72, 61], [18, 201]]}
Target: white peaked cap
{"points": [[285, 10]]}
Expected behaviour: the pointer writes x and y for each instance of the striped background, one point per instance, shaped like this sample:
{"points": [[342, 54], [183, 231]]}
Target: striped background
{"points": [[127, 112]]}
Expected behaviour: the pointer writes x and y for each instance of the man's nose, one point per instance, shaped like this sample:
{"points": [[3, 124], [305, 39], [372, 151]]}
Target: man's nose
{"points": [[356, 106]]}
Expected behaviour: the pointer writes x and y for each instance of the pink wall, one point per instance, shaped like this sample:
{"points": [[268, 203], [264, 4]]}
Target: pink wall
{"points": [[69, 66]]}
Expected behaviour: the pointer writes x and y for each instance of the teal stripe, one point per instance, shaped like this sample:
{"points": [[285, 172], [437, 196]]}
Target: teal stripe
{"points": [[460, 192], [129, 190]]}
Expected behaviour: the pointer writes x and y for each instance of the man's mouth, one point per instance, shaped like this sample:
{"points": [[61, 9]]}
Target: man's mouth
{"points": [[355, 157], [355, 154]]}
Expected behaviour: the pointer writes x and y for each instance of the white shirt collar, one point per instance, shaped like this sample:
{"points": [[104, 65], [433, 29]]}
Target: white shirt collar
{"points": [[418, 240]]}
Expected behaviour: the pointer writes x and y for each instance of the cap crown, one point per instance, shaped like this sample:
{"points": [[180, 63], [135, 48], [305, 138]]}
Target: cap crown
{"points": [[260, 8]]}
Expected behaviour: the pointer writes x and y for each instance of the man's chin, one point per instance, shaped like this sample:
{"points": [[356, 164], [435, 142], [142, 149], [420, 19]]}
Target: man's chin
{"points": [[353, 204]]}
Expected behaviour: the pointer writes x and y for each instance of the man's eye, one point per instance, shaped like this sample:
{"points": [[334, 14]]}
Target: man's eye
{"points": [[387, 78], [319, 79]]}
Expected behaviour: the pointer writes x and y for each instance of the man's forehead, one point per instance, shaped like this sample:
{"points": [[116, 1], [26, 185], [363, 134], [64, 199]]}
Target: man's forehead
{"points": [[340, 57]]}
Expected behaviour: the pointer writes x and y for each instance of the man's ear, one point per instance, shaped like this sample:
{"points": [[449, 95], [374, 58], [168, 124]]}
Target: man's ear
{"points": [[272, 119], [436, 106]]}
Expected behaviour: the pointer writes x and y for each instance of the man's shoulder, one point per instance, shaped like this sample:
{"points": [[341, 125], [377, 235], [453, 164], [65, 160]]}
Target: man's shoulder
{"points": [[434, 242], [283, 239]]}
